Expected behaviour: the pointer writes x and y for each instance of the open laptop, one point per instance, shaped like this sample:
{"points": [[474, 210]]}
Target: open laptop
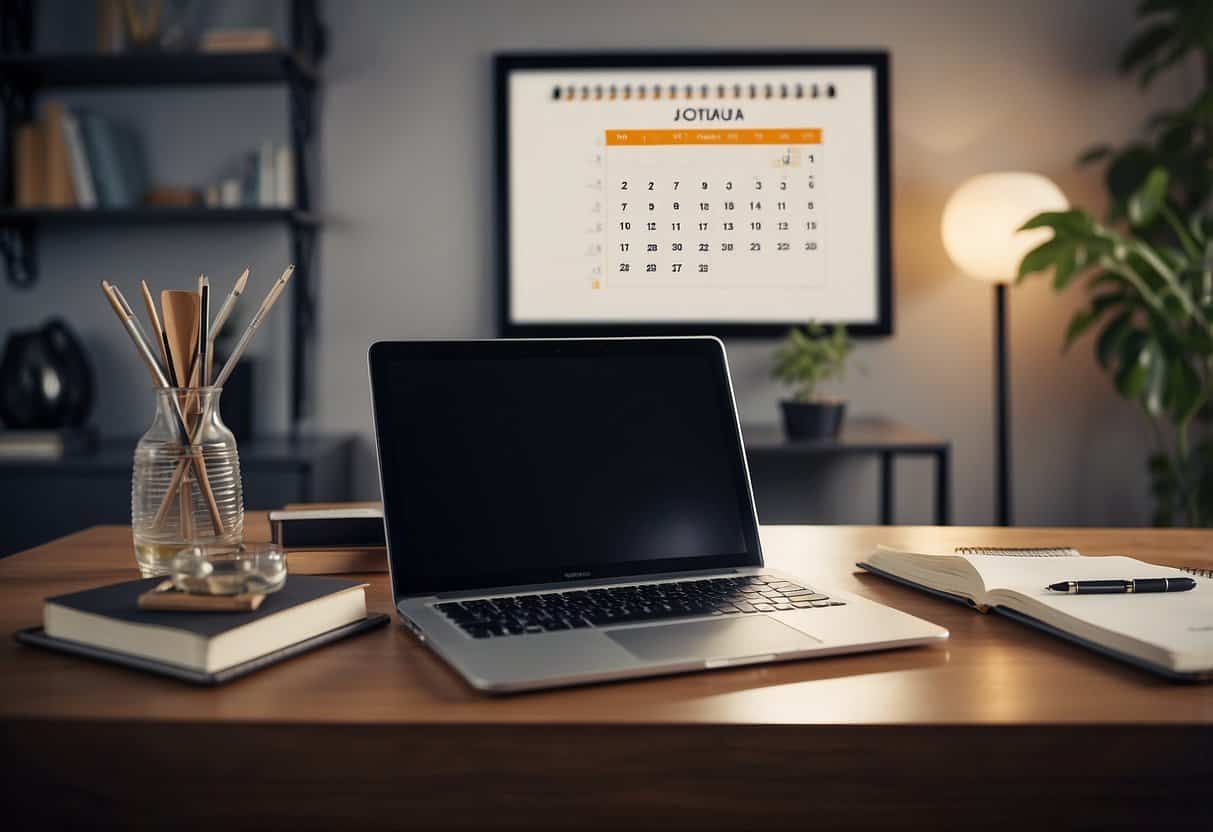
{"points": [[569, 511]]}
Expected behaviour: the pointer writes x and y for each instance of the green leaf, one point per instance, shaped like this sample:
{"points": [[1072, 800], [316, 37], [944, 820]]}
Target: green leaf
{"points": [[1183, 389], [1094, 154], [1145, 45], [1075, 222], [1156, 381], [1079, 323], [1167, 59], [1064, 268], [1129, 170], [1109, 340], [1148, 200], [1136, 357], [1046, 254]]}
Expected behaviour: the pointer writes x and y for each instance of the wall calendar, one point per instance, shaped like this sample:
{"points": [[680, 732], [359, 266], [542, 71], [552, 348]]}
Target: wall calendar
{"points": [[729, 194]]}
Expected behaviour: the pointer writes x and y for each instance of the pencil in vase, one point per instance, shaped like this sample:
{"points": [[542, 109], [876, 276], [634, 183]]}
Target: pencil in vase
{"points": [[185, 487]]}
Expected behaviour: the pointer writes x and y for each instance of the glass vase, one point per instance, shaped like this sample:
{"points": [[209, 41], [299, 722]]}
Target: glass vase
{"points": [[185, 487]]}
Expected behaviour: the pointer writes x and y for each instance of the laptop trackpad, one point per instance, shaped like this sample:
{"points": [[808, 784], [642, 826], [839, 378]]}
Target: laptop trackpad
{"points": [[712, 639]]}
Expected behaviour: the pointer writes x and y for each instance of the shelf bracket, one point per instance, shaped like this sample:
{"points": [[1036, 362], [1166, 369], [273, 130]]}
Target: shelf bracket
{"points": [[303, 316], [20, 255]]}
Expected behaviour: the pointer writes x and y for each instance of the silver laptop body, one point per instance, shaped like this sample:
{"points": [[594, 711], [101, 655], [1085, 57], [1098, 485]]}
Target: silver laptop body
{"points": [[568, 622]]}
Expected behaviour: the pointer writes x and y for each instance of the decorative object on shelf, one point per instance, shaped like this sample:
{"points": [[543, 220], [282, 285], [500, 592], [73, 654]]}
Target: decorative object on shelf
{"points": [[46, 382], [248, 39], [982, 234], [171, 196], [1146, 268], [142, 19], [186, 488], [263, 178], [806, 358]]}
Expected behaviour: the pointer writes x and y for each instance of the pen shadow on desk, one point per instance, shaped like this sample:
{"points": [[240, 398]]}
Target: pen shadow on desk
{"points": [[442, 682]]}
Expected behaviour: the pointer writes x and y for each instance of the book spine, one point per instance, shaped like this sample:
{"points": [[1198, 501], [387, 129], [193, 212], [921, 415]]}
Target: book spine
{"points": [[265, 175], [249, 179], [59, 192], [82, 176], [104, 168], [29, 165], [284, 176], [133, 169]]}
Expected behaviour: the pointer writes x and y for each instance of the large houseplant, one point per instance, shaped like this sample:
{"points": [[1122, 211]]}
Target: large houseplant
{"points": [[806, 358], [1148, 267]]}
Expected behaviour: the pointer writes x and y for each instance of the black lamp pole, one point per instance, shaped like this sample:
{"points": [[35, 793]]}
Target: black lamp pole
{"points": [[1002, 393]]}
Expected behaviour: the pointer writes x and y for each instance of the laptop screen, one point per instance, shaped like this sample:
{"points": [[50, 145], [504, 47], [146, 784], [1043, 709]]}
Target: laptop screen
{"points": [[511, 462]]}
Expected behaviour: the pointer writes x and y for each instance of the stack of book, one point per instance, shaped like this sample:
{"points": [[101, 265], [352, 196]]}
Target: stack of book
{"points": [[331, 541], [207, 648], [76, 159]]}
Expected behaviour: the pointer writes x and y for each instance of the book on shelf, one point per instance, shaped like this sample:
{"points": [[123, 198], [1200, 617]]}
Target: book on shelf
{"points": [[29, 161], [266, 195], [1170, 633], [81, 170], [75, 158], [208, 647], [45, 444], [249, 39], [58, 191], [284, 176]]}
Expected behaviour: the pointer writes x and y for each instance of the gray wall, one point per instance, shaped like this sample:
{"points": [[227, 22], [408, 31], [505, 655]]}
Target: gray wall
{"points": [[406, 170]]}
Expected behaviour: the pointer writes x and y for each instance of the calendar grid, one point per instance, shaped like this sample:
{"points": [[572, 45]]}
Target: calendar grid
{"points": [[712, 209]]}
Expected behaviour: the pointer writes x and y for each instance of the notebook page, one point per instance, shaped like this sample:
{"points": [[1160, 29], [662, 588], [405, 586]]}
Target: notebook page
{"points": [[1031, 575], [1177, 624]]}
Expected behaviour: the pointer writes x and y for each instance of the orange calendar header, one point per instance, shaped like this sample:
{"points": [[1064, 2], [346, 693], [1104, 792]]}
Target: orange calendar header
{"points": [[799, 135]]}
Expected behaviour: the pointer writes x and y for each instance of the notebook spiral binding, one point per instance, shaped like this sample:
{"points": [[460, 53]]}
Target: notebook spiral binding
{"points": [[1200, 573], [1021, 552]]}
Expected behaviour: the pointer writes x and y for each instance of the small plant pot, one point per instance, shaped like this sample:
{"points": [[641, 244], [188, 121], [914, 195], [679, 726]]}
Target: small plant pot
{"points": [[813, 420]]}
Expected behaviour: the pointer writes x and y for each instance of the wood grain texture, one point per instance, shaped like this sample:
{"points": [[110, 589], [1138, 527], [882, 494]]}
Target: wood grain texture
{"points": [[999, 727]]}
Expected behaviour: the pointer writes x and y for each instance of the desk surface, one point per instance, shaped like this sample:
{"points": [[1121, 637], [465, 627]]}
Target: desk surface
{"points": [[935, 709]]}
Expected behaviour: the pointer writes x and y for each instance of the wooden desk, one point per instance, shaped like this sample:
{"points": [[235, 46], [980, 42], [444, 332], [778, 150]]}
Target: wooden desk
{"points": [[1000, 726]]}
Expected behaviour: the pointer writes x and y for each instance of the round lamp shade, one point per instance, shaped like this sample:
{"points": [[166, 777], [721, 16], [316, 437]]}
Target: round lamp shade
{"points": [[982, 218]]}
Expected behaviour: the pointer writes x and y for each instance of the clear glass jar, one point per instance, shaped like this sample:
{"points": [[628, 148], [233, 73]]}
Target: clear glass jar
{"points": [[185, 494]]}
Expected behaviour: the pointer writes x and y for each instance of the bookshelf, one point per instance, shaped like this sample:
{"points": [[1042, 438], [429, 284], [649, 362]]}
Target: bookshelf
{"points": [[25, 74]]}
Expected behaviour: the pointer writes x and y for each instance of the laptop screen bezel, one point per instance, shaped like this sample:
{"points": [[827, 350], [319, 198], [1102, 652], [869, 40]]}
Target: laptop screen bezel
{"points": [[383, 355]]}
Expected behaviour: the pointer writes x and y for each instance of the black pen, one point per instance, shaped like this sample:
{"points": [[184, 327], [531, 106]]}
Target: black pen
{"points": [[1119, 587]]}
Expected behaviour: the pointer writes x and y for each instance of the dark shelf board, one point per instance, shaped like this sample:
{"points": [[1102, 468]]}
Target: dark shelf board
{"points": [[153, 69], [151, 216]]}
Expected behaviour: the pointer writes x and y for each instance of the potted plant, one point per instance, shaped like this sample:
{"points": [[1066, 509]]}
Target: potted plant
{"points": [[806, 358], [1147, 268]]}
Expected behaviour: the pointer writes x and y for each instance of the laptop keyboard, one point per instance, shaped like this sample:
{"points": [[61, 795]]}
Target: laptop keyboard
{"points": [[576, 609]]}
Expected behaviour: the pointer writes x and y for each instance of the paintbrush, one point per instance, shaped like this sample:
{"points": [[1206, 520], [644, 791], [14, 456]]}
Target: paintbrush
{"points": [[125, 314], [251, 330], [225, 310]]}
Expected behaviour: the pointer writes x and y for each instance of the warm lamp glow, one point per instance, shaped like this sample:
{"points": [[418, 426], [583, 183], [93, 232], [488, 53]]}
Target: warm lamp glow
{"points": [[981, 218]]}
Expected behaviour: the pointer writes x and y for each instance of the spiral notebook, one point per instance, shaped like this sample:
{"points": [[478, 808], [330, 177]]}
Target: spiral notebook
{"points": [[1168, 633]]}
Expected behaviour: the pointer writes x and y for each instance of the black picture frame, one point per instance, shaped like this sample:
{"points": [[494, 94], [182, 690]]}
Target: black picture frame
{"points": [[505, 63]]}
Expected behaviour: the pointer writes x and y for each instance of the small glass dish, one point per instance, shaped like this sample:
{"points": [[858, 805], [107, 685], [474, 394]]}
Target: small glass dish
{"points": [[247, 569]]}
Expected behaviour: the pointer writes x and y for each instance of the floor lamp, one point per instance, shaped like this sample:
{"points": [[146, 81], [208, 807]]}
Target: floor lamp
{"points": [[981, 234]]}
